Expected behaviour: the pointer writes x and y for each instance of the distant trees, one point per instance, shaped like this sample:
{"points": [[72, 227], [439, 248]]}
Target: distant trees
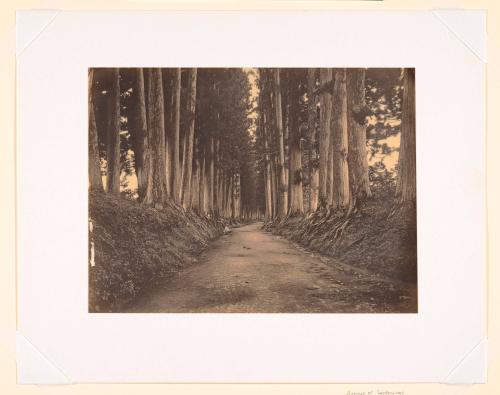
{"points": [[195, 138]]}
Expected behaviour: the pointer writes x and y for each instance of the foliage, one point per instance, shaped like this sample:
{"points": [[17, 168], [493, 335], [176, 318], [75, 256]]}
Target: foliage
{"points": [[136, 245]]}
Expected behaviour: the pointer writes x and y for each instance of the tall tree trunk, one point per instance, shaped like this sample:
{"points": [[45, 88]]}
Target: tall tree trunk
{"points": [[232, 197], [286, 140], [313, 155], [274, 186], [113, 143], [211, 175], [204, 183], [95, 179], [143, 154], [267, 174], [295, 176], [191, 116], [324, 135], [218, 170], [195, 189], [279, 126], [168, 98], [406, 189], [176, 117], [357, 155], [340, 172], [157, 131]]}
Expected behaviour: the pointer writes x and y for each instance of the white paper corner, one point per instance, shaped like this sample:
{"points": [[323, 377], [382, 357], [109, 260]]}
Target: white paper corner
{"points": [[30, 24], [33, 367], [472, 368], [468, 26]]}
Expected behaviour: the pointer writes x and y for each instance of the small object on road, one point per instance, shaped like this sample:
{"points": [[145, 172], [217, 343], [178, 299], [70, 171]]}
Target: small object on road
{"points": [[227, 230], [247, 248], [312, 288]]}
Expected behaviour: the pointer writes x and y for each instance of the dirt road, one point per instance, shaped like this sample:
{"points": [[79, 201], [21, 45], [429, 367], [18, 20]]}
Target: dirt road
{"points": [[253, 271]]}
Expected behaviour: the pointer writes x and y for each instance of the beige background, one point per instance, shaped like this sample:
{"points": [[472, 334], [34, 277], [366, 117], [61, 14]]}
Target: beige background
{"points": [[7, 217]]}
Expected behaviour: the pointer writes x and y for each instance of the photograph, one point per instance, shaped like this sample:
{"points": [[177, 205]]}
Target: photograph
{"points": [[252, 190]]}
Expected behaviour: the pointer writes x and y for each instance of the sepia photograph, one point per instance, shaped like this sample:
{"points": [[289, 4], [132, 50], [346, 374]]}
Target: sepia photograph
{"points": [[252, 190]]}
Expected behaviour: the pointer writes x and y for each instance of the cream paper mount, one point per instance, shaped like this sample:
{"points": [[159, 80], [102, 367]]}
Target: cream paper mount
{"points": [[59, 342]]}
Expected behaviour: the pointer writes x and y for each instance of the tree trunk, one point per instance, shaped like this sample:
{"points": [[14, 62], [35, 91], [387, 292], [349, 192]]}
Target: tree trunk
{"points": [[143, 154], [340, 172], [157, 132], [191, 115], [295, 175], [313, 155], [168, 98], [95, 179], [113, 143], [324, 136], [279, 126], [267, 174], [183, 141], [204, 183], [232, 197], [357, 155], [176, 116], [406, 189], [274, 186], [211, 179], [195, 188], [286, 134]]}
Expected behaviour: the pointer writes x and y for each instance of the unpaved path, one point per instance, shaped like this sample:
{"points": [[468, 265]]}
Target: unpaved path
{"points": [[253, 271]]}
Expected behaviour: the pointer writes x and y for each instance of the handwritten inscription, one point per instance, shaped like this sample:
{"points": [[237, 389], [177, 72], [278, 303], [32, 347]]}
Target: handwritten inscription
{"points": [[375, 392]]}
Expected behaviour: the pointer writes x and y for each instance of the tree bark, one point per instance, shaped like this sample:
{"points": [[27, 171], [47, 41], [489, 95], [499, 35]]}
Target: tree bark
{"points": [[143, 154], [279, 127], [312, 152], [191, 115], [295, 175], [406, 189], [157, 131], [340, 172], [211, 176], [204, 183], [324, 136], [113, 143], [176, 116], [95, 179], [267, 175], [168, 99], [357, 156], [275, 185]]}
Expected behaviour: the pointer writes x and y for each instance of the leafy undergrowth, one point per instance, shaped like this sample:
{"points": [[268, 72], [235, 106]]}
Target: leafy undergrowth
{"points": [[378, 238], [135, 246]]}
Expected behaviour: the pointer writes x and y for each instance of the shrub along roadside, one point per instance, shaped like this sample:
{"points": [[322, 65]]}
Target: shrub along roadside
{"points": [[135, 246], [377, 238]]}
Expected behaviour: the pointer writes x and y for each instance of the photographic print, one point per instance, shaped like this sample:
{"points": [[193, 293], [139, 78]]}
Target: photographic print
{"points": [[252, 190]]}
